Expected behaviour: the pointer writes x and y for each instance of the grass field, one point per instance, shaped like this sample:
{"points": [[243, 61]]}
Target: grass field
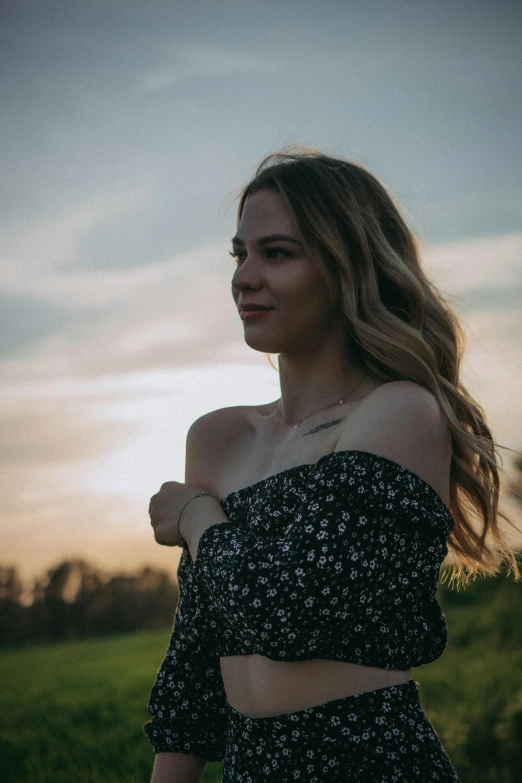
{"points": [[74, 711]]}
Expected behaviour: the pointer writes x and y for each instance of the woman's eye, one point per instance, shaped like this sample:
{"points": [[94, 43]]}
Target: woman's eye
{"points": [[234, 255], [278, 250], [239, 256]]}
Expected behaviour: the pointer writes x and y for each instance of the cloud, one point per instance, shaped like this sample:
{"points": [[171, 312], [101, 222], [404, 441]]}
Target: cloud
{"points": [[32, 250], [467, 265], [84, 289], [47, 432], [145, 319], [204, 60], [149, 317]]}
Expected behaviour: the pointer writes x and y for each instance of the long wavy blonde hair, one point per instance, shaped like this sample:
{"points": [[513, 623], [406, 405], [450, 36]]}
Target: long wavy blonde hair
{"points": [[401, 326]]}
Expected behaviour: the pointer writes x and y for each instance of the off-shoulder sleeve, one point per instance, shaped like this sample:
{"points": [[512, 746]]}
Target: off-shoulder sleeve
{"points": [[362, 552], [188, 701]]}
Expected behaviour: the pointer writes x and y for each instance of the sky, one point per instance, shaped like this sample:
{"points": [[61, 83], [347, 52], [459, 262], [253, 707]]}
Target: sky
{"points": [[128, 130]]}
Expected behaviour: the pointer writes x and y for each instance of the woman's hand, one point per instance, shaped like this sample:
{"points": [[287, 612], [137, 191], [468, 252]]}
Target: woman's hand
{"points": [[164, 508]]}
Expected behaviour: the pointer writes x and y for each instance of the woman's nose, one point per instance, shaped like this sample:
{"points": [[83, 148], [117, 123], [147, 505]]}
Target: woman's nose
{"points": [[247, 275]]}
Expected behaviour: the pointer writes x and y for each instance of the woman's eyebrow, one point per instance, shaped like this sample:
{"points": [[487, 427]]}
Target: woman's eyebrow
{"points": [[267, 239]]}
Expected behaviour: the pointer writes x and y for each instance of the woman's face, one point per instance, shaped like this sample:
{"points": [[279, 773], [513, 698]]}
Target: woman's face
{"points": [[278, 274]]}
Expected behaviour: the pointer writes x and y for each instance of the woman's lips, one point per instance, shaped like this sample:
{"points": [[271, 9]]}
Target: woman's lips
{"points": [[246, 315]]}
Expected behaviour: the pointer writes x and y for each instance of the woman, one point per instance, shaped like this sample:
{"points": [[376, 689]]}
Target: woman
{"points": [[313, 528]]}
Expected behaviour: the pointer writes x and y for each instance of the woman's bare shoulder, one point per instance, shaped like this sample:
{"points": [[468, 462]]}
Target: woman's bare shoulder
{"points": [[243, 416], [213, 439], [220, 419]]}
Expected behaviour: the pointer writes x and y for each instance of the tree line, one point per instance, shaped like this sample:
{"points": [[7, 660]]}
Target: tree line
{"points": [[75, 599]]}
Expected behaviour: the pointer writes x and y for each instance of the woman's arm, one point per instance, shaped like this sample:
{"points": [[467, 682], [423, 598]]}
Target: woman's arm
{"points": [[197, 517], [177, 768], [188, 702]]}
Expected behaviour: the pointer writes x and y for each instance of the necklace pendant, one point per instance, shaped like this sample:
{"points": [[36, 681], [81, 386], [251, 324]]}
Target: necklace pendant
{"points": [[341, 401]]}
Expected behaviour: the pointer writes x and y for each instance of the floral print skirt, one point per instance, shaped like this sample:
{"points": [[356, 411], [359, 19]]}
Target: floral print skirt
{"points": [[382, 735]]}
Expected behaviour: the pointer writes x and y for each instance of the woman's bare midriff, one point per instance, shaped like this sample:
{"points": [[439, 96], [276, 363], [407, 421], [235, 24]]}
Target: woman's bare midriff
{"points": [[259, 687]]}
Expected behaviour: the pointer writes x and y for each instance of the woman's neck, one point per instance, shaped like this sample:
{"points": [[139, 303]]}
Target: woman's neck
{"points": [[308, 386]]}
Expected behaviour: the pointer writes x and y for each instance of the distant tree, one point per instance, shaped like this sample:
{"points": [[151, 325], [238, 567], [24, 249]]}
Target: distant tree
{"points": [[11, 585], [54, 608], [75, 599], [12, 615]]}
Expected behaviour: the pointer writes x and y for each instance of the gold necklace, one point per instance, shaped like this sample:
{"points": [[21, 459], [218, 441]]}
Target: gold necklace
{"points": [[339, 402]]}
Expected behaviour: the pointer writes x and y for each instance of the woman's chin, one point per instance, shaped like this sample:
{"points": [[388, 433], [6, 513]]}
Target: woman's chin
{"points": [[257, 343]]}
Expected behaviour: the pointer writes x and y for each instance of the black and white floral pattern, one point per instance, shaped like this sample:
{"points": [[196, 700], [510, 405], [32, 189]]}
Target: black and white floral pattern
{"points": [[379, 736], [188, 699], [338, 560]]}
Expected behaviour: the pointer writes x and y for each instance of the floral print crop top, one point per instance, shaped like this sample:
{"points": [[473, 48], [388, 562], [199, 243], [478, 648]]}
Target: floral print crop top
{"points": [[338, 559]]}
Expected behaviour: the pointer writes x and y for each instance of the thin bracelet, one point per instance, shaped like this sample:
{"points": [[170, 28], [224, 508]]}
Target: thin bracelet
{"points": [[198, 495]]}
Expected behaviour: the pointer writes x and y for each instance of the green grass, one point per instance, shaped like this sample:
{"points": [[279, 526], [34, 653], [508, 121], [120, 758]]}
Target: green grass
{"points": [[74, 711], [473, 698]]}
